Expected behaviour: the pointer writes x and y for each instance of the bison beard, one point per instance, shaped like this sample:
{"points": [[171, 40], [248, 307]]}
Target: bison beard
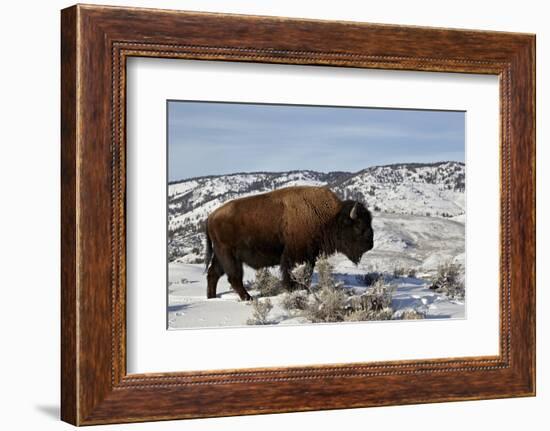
{"points": [[285, 227]]}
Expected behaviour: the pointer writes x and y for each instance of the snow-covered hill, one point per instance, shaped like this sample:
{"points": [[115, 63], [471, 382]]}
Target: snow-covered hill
{"points": [[418, 208], [415, 189]]}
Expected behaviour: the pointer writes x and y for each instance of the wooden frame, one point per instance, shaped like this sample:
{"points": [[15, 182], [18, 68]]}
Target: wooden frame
{"points": [[95, 43]]}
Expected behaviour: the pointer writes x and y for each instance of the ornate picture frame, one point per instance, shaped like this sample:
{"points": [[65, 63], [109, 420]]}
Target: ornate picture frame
{"points": [[96, 41]]}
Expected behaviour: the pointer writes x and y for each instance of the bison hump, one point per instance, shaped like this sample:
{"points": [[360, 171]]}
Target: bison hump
{"points": [[308, 211]]}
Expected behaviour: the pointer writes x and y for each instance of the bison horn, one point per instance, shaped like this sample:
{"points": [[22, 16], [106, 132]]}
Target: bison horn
{"points": [[353, 213]]}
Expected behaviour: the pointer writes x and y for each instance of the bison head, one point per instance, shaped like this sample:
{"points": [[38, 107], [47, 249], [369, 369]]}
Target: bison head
{"points": [[354, 230]]}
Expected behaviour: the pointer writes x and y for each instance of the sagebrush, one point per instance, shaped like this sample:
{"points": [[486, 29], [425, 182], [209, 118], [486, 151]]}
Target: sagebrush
{"points": [[301, 276], [374, 304], [449, 280], [295, 301], [398, 271], [412, 314], [333, 303], [266, 283], [260, 313], [327, 300], [369, 278]]}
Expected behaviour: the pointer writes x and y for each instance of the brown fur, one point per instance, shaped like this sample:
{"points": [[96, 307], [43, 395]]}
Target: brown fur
{"points": [[284, 227]]}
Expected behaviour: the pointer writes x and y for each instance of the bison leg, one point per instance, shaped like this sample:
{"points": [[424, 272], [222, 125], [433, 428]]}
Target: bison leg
{"points": [[215, 271], [310, 267], [286, 270], [236, 281], [234, 270]]}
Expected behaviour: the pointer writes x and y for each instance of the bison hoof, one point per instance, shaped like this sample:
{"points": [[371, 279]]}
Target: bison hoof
{"points": [[246, 297]]}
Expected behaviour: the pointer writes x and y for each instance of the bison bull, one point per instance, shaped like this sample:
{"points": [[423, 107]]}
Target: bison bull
{"points": [[285, 227]]}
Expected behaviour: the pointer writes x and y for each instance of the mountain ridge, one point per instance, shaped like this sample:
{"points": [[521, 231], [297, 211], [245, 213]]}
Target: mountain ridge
{"points": [[434, 189], [389, 165]]}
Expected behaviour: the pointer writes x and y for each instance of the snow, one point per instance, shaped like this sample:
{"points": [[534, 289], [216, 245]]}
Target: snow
{"points": [[189, 308], [181, 188], [418, 221]]}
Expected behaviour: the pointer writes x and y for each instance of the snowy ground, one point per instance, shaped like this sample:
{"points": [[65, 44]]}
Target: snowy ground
{"points": [[405, 241], [189, 308]]}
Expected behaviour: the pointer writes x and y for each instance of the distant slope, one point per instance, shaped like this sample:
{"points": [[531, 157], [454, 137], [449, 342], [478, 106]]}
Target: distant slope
{"points": [[414, 189], [408, 189]]}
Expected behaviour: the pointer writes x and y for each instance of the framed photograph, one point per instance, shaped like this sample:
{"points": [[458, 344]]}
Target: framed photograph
{"points": [[308, 191], [264, 214]]}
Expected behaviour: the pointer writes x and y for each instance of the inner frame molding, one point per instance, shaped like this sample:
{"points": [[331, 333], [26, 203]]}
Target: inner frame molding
{"points": [[96, 42], [300, 370]]}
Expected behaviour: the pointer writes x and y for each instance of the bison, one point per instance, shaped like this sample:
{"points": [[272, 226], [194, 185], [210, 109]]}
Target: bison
{"points": [[284, 227]]}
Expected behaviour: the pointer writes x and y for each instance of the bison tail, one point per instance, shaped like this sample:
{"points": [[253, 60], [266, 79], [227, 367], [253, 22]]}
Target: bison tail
{"points": [[209, 252]]}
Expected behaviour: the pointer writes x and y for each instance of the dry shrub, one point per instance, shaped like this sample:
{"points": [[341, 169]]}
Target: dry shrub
{"points": [[378, 297], [324, 272], [301, 276], [412, 314], [297, 300], [357, 316], [330, 305], [374, 304], [334, 304], [266, 283], [261, 309], [369, 278], [364, 315], [398, 271], [328, 301], [449, 281]]}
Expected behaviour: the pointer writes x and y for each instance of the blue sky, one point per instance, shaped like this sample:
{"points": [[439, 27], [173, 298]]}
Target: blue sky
{"points": [[209, 138]]}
